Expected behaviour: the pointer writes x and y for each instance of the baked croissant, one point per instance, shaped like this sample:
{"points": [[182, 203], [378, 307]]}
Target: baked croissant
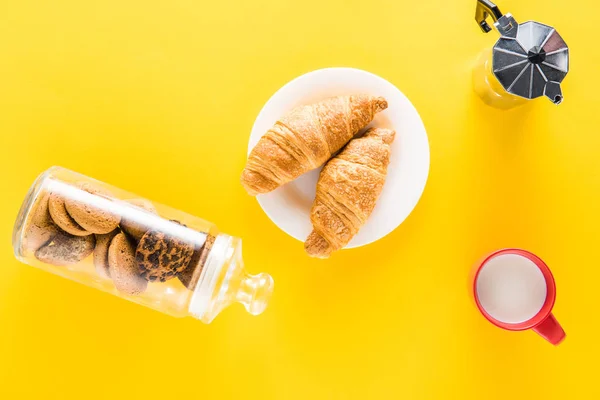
{"points": [[347, 191], [305, 138]]}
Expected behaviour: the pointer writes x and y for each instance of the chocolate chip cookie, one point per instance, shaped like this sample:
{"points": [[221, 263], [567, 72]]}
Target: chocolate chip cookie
{"points": [[39, 227], [161, 257], [92, 218], [190, 276], [56, 205], [65, 249], [134, 224], [122, 266], [101, 253]]}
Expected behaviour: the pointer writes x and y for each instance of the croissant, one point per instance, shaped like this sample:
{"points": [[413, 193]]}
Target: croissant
{"points": [[347, 191], [305, 138]]}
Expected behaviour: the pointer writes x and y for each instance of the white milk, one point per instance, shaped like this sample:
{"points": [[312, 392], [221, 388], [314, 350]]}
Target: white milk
{"points": [[511, 288]]}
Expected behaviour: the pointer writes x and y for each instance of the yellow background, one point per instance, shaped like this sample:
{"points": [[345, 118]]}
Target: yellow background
{"points": [[158, 97]]}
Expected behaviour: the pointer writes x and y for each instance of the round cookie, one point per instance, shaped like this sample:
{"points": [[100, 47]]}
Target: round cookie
{"points": [[64, 249], [92, 218], [56, 206], [39, 227], [134, 227], [122, 266], [190, 276], [161, 257], [101, 253]]}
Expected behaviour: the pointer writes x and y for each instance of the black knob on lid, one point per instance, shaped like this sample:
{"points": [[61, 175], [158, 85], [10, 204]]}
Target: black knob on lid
{"points": [[536, 55]]}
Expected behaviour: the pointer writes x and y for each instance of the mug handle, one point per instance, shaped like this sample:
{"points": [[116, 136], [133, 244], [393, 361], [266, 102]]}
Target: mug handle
{"points": [[551, 330]]}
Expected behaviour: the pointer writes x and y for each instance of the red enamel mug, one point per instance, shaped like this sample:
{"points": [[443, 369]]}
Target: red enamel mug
{"points": [[515, 290]]}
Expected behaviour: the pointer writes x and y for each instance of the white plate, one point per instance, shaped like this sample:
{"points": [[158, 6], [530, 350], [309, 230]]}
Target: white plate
{"points": [[289, 206]]}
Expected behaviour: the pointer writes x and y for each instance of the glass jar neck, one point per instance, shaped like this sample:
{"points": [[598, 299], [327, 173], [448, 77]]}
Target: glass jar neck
{"points": [[224, 281]]}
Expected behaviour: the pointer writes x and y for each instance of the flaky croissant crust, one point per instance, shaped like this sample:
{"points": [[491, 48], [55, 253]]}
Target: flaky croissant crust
{"points": [[347, 191], [305, 138]]}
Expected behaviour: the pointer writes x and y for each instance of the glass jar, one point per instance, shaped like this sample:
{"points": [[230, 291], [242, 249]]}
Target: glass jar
{"points": [[487, 86], [151, 254]]}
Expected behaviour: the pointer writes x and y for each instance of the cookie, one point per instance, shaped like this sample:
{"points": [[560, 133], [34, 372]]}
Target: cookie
{"points": [[90, 217], [39, 227], [65, 249], [161, 257], [101, 253], [122, 266], [190, 276], [135, 227], [60, 216]]}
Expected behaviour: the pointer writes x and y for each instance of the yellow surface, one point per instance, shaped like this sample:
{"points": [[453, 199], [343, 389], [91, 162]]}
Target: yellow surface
{"points": [[158, 97]]}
